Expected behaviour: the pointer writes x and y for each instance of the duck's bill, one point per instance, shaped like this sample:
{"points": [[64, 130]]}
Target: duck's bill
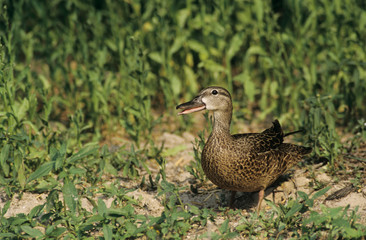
{"points": [[190, 107]]}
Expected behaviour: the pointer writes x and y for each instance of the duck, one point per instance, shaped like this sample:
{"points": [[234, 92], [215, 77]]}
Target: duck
{"points": [[247, 162]]}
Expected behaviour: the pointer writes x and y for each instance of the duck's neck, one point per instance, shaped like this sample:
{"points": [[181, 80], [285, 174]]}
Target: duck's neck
{"points": [[221, 123]]}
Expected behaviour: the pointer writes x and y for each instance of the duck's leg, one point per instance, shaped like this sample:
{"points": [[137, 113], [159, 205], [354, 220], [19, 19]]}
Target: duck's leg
{"points": [[232, 199], [260, 199]]}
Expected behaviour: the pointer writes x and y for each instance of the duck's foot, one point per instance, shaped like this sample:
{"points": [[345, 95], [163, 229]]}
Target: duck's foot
{"points": [[260, 199]]}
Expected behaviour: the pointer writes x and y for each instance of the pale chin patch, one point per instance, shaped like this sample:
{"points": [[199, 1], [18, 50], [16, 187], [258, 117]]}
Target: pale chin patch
{"points": [[207, 105]]}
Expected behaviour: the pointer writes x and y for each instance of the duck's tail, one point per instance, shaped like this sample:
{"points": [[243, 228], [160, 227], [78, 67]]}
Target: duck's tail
{"points": [[290, 133]]}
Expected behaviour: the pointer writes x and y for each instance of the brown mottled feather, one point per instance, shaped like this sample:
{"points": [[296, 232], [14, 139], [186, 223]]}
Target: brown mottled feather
{"points": [[242, 162]]}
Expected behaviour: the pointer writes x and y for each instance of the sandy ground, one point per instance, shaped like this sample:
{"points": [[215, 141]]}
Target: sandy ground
{"points": [[179, 154]]}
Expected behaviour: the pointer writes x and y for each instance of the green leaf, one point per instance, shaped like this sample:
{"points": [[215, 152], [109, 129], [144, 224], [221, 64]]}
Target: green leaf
{"points": [[57, 232], [320, 193], [107, 232], [21, 111], [84, 152], [155, 56], [224, 227], [36, 211], [173, 151], [7, 235], [191, 79], [43, 170], [235, 45], [21, 176], [5, 208], [295, 208], [199, 48], [77, 171], [3, 157], [117, 212], [303, 195], [102, 208], [212, 66], [70, 195], [130, 227], [182, 16], [176, 84], [177, 44], [31, 231], [59, 155], [248, 84]]}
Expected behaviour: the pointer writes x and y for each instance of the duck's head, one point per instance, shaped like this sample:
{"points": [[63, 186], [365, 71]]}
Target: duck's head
{"points": [[211, 98]]}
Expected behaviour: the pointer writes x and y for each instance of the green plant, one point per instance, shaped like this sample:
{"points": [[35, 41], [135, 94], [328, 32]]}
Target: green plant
{"points": [[195, 167], [320, 122]]}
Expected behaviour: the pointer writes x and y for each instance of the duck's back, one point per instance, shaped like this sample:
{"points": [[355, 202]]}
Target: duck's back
{"points": [[249, 162]]}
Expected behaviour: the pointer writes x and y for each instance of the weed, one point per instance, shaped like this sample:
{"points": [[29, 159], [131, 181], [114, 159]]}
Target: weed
{"points": [[195, 167]]}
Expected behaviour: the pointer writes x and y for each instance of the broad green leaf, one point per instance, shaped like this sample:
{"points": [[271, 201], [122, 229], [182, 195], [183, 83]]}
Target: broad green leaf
{"points": [[198, 47], [177, 44], [70, 195], [102, 208], [31, 231], [255, 50], [224, 226], [5, 208], [125, 211], [320, 193], [176, 84], [35, 212], [7, 235], [3, 157], [182, 16], [303, 195], [58, 231], [21, 176], [212, 66], [94, 219], [59, 155], [77, 171], [191, 79], [131, 228], [156, 56], [249, 87], [235, 45], [84, 152], [43, 170], [21, 110], [173, 151], [295, 208], [107, 232]]}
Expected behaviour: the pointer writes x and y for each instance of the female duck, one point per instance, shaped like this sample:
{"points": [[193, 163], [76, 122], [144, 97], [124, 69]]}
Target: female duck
{"points": [[242, 162]]}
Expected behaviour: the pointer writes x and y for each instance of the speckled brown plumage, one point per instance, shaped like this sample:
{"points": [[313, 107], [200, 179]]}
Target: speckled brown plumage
{"points": [[242, 162]]}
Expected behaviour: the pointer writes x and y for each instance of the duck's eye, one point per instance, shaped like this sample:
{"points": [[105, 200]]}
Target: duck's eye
{"points": [[214, 92]]}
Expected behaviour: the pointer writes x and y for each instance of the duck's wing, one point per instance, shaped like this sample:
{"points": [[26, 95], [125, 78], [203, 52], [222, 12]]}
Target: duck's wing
{"points": [[269, 165], [270, 138]]}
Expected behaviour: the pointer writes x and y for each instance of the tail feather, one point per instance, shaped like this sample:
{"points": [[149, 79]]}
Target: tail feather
{"points": [[294, 132]]}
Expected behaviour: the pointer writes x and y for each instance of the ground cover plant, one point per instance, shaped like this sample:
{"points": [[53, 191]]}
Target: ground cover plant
{"points": [[90, 144]]}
